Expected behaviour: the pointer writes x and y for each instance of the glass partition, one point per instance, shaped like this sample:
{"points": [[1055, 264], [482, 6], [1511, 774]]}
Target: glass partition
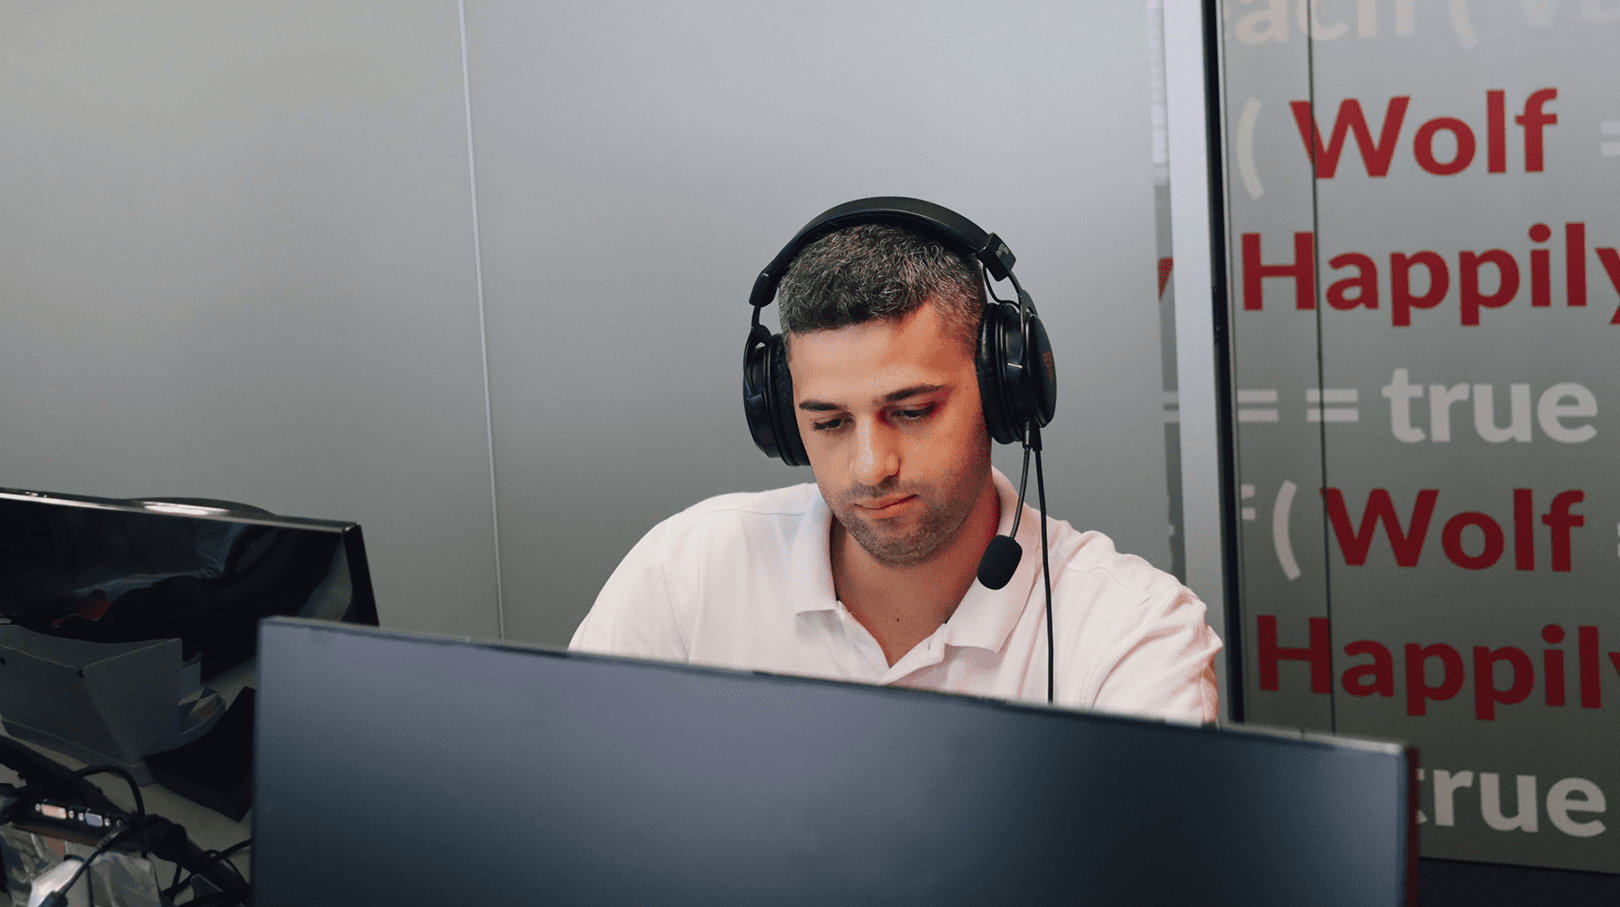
{"points": [[1421, 232]]}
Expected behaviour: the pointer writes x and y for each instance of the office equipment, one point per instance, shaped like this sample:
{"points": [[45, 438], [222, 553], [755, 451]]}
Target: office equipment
{"points": [[113, 614], [403, 769], [55, 817]]}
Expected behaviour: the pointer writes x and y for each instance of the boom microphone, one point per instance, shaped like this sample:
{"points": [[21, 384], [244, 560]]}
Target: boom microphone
{"points": [[1000, 561], [1001, 556]]}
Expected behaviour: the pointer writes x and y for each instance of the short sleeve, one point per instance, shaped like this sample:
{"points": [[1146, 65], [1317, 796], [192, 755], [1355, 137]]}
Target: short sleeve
{"points": [[634, 614], [1161, 661]]}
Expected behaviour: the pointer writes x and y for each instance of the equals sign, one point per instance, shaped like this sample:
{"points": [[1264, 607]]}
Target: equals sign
{"points": [[1319, 411], [1248, 411], [1611, 149]]}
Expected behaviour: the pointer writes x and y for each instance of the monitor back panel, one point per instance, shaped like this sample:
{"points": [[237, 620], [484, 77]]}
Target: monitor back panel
{"points": [[408, 770], [121, 571]]}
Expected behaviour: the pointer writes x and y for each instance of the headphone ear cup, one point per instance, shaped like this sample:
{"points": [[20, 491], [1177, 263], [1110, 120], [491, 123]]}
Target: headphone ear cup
{"points": [[1040, 394], [757, 391], [791, 444], [990, 361], [768, 398]]}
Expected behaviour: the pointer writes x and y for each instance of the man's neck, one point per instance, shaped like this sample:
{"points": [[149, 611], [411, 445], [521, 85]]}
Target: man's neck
{"points": [[902, 606]]}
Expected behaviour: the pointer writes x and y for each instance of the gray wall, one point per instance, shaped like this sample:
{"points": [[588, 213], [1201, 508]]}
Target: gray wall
{"points": [[236, 261], [477, 277]]}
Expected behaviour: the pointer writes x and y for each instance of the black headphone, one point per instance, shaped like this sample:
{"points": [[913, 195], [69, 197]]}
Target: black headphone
{"points": [[1017, 381]]}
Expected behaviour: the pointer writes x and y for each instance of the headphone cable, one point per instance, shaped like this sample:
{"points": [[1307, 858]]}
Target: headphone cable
{"points": [[1046, 568]]}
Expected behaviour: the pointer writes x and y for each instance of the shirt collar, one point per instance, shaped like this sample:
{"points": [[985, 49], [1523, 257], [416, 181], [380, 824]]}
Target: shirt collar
{"points": [[810, 580]]}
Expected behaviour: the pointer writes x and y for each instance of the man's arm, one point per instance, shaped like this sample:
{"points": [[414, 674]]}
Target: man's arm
{"points": [[634, 614], [1156, 659]]}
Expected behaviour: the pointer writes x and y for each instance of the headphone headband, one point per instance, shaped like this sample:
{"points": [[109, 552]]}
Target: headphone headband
{"points": [[936, 220], [1012, 359]]}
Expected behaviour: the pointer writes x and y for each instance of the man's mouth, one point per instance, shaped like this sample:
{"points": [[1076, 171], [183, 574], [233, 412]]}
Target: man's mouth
{"points": [[879, 505]]}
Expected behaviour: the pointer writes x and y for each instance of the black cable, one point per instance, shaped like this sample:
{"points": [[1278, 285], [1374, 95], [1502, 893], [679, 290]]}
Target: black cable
{"points": [[89, 794], [1023, 482], [10, 802], [990, 285], [209, 858], [223, 897], [134, 788], [1045, 567], [42, 774], [227, 852], [59, 897], [170, 842], [165, 839], [1046, 571], [1032, 433]]}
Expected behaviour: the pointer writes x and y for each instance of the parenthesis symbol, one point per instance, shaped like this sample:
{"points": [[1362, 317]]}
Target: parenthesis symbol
{"points": [[1279, 529], [1459, 21], [1245, 148]]}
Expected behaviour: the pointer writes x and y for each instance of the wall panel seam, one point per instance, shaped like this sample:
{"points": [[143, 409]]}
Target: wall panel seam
{"points": [[483, 328]]}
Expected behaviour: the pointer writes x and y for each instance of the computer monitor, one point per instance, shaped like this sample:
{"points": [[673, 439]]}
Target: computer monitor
{"points": [[115, 571], [115, 613], [411, 770]]}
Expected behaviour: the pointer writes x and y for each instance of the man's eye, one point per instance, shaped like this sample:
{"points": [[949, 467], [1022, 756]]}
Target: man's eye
{"points": [[827, 425], [913, 415]]}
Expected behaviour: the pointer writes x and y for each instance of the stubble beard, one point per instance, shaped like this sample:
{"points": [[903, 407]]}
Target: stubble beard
{"points": [[946, 509]]}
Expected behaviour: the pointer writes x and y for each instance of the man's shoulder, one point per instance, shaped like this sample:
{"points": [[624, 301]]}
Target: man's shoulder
{"points": [[791, 501], [1094, 556], [740, 512]]}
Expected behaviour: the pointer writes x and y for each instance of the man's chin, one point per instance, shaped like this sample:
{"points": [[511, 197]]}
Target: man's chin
{"points": [[893, 548]]}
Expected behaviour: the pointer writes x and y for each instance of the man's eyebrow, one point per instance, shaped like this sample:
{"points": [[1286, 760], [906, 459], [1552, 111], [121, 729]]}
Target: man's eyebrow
{"points": [[818, 406], [915, 390]]}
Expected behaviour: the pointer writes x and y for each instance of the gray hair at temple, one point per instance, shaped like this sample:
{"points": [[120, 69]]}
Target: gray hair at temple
{"points": [[878, 271]]}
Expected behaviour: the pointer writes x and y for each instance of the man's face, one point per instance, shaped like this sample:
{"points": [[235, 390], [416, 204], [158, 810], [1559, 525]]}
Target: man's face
{"points": [[890, 416]]}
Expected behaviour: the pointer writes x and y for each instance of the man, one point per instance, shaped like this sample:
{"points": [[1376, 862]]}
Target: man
{"points": [[869, 574]]}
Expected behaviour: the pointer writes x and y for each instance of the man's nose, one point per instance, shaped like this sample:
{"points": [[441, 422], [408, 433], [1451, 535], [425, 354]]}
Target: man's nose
{"points": [[877, 453]]}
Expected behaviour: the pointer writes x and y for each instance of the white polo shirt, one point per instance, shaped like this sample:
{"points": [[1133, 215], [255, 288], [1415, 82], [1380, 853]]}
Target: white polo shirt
{"points": [[745, 581]]}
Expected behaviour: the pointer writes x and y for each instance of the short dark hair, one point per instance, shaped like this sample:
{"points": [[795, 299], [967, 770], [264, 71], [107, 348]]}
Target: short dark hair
{"points": [[879, 271]]}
